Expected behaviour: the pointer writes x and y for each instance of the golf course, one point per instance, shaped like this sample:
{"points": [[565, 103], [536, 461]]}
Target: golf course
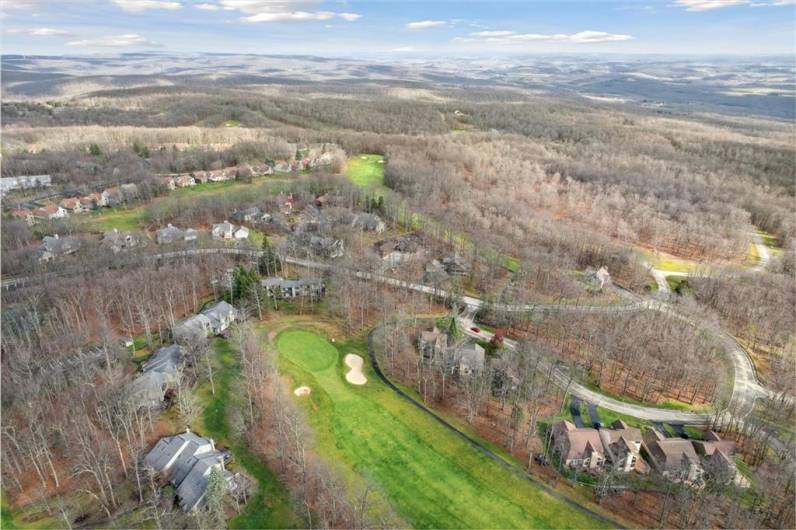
{"points": [[429, 475]]}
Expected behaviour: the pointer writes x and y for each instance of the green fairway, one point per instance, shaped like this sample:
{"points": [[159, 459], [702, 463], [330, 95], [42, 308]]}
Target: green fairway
{"points": [[366, 171], [432, 477]]}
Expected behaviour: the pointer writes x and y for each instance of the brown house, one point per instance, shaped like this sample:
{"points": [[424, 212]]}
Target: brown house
{"points": [[578, 448]]}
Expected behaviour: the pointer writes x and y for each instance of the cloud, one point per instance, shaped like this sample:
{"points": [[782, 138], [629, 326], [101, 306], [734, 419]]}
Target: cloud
{"points": [[137, 6], [207, 7], [41, 32], [401, 49], [290, 16], [505, 37], [115, 41], [283, 11], [425, 24], [23, 4], [707, 5]]}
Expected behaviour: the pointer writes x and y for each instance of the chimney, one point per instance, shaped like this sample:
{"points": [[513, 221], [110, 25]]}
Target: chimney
{"points": [[212, 444], [56, 236], [187, 430]]}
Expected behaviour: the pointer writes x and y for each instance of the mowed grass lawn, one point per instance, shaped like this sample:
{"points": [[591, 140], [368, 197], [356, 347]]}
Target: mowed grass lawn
{"points": [[431, 477], [366, 171]]}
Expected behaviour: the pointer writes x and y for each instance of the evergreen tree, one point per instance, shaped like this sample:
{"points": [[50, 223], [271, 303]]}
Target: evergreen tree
{"points": [[242, 281], [216, 488], [94, 150], [269, 263]]}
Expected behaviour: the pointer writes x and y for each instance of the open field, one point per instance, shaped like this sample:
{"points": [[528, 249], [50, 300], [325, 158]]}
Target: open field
{"points": [[430, 476], [366, 171]]}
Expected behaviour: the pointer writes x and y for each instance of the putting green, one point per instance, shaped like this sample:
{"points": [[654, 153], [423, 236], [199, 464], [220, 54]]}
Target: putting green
{"points": [[430, 476], [307, 350]]}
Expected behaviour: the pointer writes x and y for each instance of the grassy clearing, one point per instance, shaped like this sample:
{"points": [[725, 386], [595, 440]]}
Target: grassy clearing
{"points": [[366, 171], [607, 417], [122, 219], [430, 476], [667, 263], [270, 506], [753, 257]]}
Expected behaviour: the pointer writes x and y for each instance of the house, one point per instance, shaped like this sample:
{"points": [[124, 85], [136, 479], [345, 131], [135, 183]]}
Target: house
{"points": [[285, 203], [169, 234], [326, 247], [227, 230], [717, 453], [50, 211], [578, 448], [432, 343], [218, 175], [112, 196], [87, 203], [118, 241], [323, 200], [129, 192], [167, 359], [472, 358], [244, 172], [262, 169], [622, 445], [455, 264], [24, 182], [149, 389], [674, 458], [191, 235], [168, 181], [201, 177], [397, 250], [221, 315], [187, 460], [72, 205], [596, 280], [283, 167], [193, 328], [288, 289], [249, 215], [97, 199], [434, 273], [184, 180], [368, 222], [160, 373], [54, 247], [241, 233], [23, 213]]}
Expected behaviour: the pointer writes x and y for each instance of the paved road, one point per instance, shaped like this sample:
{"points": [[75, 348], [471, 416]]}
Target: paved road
{"points": [[746, 388]]}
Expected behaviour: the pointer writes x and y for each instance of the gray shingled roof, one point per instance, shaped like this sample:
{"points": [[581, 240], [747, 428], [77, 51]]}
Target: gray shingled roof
{"points": [[166, 359]]}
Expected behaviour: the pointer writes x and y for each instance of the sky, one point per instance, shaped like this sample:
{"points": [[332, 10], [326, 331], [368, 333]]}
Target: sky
{"points": [[414, 29]]}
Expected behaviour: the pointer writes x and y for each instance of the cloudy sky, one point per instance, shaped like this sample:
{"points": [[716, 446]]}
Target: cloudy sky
{"points": [[410, 28]]}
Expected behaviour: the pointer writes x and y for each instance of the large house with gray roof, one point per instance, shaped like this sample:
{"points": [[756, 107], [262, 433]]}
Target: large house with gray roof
{"points": [[187, 459], [212, 320]]}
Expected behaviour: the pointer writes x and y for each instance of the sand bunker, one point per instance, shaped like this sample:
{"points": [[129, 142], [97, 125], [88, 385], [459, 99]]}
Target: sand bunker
{"points": [[302, 391], [355, 375]]}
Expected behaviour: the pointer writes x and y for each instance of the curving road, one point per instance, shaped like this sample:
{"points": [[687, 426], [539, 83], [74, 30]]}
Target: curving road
{"points": [[746, 387]]}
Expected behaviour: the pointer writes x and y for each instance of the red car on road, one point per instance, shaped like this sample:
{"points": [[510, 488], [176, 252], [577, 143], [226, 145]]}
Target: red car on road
{"points": [[475, 329]]}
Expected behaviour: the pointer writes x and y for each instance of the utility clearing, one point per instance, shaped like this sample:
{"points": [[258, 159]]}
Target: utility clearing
{"points": [[427, 473]]}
